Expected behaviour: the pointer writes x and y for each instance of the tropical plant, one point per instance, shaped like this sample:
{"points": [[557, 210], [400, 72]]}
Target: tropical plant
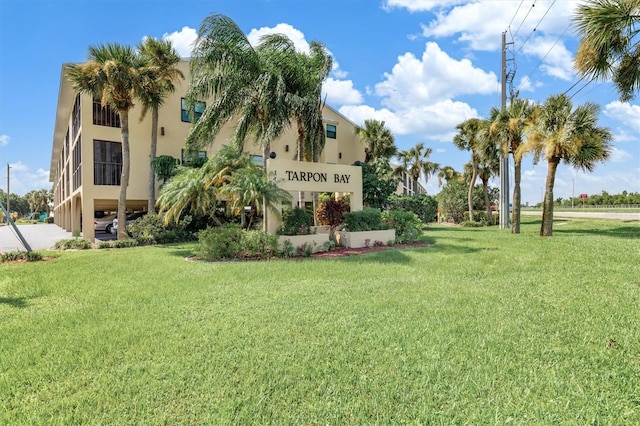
{"points": [[331, 213], [407, 225], [507, 126], [446, 174], [158, 76], [415, 163], [378, 183], [609, 45], [164, 167], [379, 142], [112, 74], [423, 205], [468, 139], [243, 83], [296, 221], [558, 132]]}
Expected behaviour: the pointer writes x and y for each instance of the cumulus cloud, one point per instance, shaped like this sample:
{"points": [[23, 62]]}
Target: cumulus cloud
{"points": [[182, 40], [432, 78], [419, 5], [295, 35], [4, 140], [24, 179], [627, 114], [341, 92], [620, 156]]}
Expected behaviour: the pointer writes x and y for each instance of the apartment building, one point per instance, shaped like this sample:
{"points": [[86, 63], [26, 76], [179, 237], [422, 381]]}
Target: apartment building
{"points": [[86, 157]]}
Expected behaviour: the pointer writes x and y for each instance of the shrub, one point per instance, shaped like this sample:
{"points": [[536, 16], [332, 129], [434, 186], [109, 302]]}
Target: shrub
{"points": [[259, 244], [407, 225], [72, 244], [12, 256], [472, 224], [150, 229], [368, 219], [296, 221], [423, 205], [125, 243], [222, 242], [306, 249], [287, 249]]}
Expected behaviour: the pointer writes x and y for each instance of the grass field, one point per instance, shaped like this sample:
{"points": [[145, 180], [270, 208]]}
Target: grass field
{"points": [[481, 327]]}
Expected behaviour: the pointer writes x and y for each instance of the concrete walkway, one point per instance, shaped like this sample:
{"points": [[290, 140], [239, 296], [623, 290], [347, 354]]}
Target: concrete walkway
{"points": [[39, 237], [592, 215]]}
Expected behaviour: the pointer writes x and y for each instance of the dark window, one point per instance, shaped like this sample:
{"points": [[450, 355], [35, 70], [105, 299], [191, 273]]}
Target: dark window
{"points": [[75, 126], [198, 110], [107, 162], [77, 164], [331, 131], [105, 116], [188, 158], [257, 159]]}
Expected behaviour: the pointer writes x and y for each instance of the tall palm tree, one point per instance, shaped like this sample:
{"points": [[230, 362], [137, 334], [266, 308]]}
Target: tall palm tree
{"points": [[378, 140], [468, 139], [112, 73], [242, 82], [415, 163], [160, 73], [560, 133], [507, 126], [609, 45], [446, 174]]}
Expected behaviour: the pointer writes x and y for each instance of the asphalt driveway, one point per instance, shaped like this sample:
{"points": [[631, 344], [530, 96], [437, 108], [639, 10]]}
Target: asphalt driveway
{"points": [[39, 237]]}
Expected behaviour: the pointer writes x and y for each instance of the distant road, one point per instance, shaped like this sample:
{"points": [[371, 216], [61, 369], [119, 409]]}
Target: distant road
{"points": [[593, 215]]}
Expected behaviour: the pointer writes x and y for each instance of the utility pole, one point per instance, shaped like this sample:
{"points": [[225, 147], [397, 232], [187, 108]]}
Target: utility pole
{"points": [[504, 159]]}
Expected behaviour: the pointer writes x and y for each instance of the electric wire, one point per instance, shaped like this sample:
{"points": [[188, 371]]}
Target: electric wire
{"points": [[525, 17], [515, 14], [535, 69], [536, 27]]}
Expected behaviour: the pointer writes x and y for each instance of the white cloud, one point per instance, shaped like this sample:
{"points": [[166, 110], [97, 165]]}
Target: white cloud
{"points": [[4, 140], [182, 40], [341, 92], [620, 156], [556, 59], [23, 179], [432, 78], [419, 5], [625, 113], [296, 36]]}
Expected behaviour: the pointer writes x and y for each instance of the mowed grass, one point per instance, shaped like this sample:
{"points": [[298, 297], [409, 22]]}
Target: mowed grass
{"points": [[481, 327]]}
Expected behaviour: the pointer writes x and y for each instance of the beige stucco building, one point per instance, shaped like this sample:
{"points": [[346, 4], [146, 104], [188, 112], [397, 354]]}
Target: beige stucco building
{"points": [[86, 157]]}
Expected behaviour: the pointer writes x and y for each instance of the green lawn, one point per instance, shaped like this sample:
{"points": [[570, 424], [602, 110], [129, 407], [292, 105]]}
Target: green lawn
{"points": [[482, 327]]}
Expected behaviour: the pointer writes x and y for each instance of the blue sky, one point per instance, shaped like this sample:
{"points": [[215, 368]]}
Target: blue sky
{"points": [[421, 66]]}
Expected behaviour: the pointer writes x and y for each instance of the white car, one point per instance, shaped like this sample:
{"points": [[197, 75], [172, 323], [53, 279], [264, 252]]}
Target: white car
{"points": [[104, 223], [130, 218]]}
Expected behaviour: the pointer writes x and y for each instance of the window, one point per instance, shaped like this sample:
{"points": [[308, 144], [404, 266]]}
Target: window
{"points": [[107, 162], [257, 159], [198, 110], [331, 131], [77, 164], [189, 158], [105, 116]]}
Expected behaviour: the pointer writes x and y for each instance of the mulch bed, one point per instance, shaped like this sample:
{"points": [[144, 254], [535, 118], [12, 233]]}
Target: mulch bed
{"points": [[342, 251]]}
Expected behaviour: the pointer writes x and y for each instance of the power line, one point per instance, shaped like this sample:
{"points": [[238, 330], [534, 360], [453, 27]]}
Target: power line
{"points": [[525, 17], [514, 15], [528, 76], [537, 25]]}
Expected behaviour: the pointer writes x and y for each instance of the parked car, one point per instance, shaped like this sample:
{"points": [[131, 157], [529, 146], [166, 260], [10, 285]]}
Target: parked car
{"points": [[130, 218], [104, 223]]}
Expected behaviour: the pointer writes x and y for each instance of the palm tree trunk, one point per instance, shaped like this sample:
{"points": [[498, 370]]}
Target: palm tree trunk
{"points": [[124, 176], [517, 195], [265, 155], [546, 229], [151, 204], [485, 192], [474, 175]]}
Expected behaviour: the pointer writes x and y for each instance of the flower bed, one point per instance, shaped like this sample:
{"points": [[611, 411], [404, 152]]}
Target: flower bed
{"points": [[365, 238], [318, 242]]}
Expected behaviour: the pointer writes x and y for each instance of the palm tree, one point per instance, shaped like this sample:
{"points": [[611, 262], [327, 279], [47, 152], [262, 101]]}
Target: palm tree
{"points": [[415, 163], [378, 140], [489, 166], [507, 126], [447, 174], [185, 190], [159, 75], [468, 139], [242, 82], [560, 133], [609, 45], [112, 73]]}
